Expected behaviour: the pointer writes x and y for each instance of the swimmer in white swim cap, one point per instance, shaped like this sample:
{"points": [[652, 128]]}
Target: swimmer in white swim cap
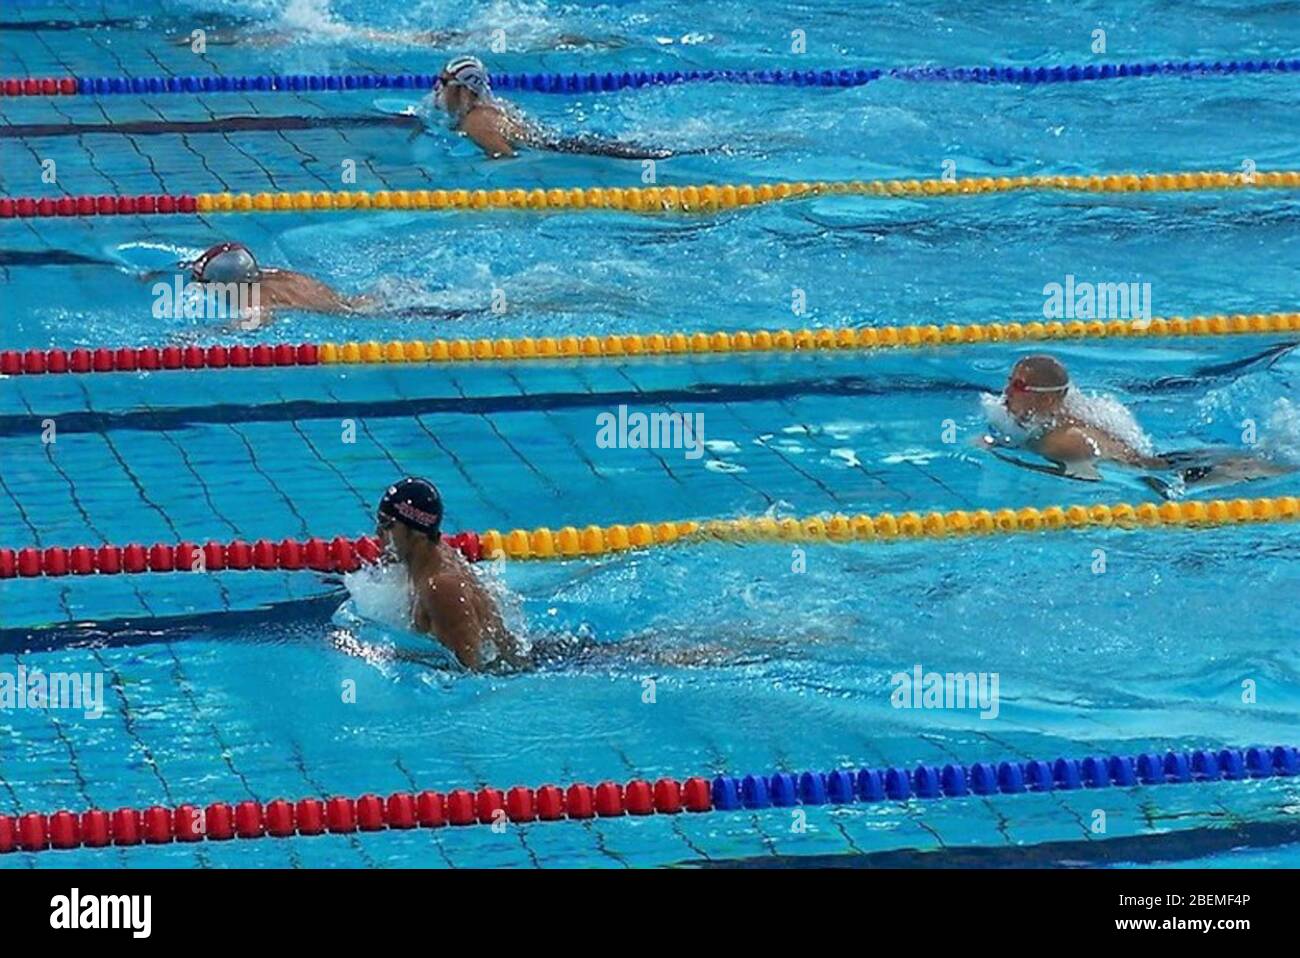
{"points": [[463, 90], [1041, 401]]}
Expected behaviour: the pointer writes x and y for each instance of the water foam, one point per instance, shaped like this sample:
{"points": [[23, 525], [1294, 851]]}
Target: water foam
{"points": [[1094, 409], [315, 18], [1282, 434], [1110, 415]]}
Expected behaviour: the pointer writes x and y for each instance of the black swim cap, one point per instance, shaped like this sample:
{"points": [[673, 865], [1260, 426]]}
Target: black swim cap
{"points": [[415, 503]]}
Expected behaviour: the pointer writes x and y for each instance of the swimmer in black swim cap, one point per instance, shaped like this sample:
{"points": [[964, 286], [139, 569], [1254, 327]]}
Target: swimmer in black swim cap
{"points": [[463, 90], [447, 602]]}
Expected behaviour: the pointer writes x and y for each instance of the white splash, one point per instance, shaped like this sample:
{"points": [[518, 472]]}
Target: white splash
{"points": [[1109, 415], [379, 593], [315, 17], [1003, 423], [1281, 436], [1101, 412]]}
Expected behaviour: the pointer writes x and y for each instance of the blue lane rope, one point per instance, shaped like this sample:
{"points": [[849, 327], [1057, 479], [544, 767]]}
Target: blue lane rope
{"points": [[605, 82], [843, 786]]}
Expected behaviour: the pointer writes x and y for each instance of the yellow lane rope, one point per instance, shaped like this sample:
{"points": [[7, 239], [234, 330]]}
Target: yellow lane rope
{"points": [[712, 197], [787, 340], [544, 543]]}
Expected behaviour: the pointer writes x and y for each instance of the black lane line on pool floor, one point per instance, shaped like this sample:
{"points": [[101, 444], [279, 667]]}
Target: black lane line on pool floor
{"points": [[227, 413], [230, 124], [1153, 849]]}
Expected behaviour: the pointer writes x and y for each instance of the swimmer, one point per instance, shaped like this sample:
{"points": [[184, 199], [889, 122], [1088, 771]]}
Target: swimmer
{"points": [[232, 265], [1055, 421], [447, 602], [499, 128], [230, 274]]}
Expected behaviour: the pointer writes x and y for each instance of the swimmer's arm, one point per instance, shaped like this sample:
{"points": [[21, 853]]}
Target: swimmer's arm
{"points": [[1074, 449], [1067, 445], [480, 127]]}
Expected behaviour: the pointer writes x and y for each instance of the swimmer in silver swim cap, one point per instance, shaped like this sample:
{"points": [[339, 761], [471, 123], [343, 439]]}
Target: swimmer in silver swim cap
{"points": [[463, 90], [231, 263], [447, 600], [1041, 400]]}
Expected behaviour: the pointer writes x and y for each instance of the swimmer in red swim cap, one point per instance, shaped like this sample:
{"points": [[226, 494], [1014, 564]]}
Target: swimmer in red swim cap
{"points": [[448, 602]]}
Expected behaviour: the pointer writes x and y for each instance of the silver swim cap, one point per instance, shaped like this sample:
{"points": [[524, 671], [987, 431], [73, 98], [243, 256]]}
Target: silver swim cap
{"points": [[225, 263]]}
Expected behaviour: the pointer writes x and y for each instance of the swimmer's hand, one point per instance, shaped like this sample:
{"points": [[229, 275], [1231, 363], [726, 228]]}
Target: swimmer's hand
{"points": [[1085, 471]]}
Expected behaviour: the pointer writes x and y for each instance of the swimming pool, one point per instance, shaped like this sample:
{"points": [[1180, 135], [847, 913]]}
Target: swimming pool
{"points": [[705, 658]]}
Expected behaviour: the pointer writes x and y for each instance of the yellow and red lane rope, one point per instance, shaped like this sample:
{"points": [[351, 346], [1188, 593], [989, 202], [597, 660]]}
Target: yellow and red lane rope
{"points": [[342, 554], [105, 359], [694, 198]]}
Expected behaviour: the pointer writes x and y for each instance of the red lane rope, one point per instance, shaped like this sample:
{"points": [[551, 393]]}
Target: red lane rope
{"points": [[220, 821], [105, 205], [39, 86], [36, 362], [339, 554]]}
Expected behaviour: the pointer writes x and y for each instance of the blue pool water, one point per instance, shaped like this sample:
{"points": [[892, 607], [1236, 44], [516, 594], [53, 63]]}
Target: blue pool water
{"points": [[231, 686]]}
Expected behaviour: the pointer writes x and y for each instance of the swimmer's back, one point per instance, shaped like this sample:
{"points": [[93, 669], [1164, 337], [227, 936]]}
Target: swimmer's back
{"points": [[456, 609]]}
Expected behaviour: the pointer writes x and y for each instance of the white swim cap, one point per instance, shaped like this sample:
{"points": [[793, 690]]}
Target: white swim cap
{"points": [[468, 72]]}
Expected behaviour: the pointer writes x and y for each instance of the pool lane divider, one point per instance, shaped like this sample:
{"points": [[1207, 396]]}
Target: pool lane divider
{"points": [[35, 362], [341, 554], [403, 811], [692, 198], [571, 83]]}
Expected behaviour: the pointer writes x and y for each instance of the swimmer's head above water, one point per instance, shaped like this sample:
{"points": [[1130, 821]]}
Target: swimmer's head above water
{"points": [[225, 263], [410, 516], [1036, 389], [461, 86]]}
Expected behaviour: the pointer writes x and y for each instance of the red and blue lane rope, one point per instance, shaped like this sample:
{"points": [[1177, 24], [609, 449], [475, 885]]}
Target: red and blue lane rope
{"points": [[280, 818], [570, 83]]}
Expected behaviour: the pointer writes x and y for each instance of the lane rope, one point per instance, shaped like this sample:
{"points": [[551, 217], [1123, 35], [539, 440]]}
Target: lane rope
{"points": [[222, 821], [693, 198], [569, 83], [104, 359], [342, 554]]}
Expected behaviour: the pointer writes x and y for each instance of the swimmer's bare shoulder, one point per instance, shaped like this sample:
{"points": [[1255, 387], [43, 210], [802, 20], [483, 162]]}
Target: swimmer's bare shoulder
{"points": [[462, 616], [292, 290], [488, 128], [1066, 444]]}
